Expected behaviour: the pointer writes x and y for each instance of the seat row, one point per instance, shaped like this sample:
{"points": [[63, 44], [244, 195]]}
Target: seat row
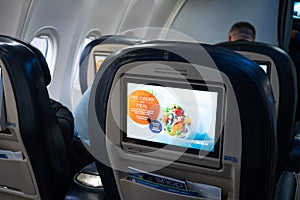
{"points": [[157, 110]]}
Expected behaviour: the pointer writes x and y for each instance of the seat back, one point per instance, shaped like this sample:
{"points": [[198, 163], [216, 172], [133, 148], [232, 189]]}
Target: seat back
{"points": [[143, 94], [90, 61], [283, 78], [33, 129]]}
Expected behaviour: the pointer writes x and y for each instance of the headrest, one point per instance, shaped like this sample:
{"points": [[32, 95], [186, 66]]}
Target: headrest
{"points": [[41, 60], [257, 47], [43, 63], [109, 39], [39, 55]]}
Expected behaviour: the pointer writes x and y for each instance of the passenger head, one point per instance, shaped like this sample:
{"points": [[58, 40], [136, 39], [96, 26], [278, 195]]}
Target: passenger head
{"points": [[241, 31]]}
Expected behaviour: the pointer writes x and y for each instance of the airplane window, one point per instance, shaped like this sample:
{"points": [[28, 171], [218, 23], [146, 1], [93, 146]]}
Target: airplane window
{"points": [[45, 44]]}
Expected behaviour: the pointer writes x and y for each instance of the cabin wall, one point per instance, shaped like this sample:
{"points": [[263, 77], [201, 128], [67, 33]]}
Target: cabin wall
{"points": [[13, 16], [72, 20], [69, 22], [210, 20]]}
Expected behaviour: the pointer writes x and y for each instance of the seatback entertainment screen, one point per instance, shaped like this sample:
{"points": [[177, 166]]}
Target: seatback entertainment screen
{"points": [[266, 66], [296, 10], [173, 115], [99, 59]]}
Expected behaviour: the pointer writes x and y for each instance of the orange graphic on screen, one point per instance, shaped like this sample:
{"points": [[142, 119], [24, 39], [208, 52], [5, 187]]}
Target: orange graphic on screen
{"points": [[98, 64], [99, 61], [143, 107]]}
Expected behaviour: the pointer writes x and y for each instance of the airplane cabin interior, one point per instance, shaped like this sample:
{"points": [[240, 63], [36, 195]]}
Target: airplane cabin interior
{"points": [[149, 99]]}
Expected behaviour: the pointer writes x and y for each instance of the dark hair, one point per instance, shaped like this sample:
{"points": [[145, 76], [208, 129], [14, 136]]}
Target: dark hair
{"points": [[244, 27]]}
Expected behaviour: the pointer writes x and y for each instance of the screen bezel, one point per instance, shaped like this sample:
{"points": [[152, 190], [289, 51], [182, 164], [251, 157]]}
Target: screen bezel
{"points": [[99, 53], [268, 64], [216, 154]]}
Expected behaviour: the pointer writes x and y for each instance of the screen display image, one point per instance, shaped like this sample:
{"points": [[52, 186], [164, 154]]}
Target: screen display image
{"points": [[264, 67], [296, 11], [99, 60], [161, 114]]}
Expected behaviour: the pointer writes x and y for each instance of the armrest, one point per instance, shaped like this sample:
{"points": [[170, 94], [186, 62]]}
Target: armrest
{"points": [[90, 169], [83, 185], [286, 187]]}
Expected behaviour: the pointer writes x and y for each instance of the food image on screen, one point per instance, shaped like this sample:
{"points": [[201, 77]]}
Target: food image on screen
{"points": [[172, 116], [176, 123]]}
